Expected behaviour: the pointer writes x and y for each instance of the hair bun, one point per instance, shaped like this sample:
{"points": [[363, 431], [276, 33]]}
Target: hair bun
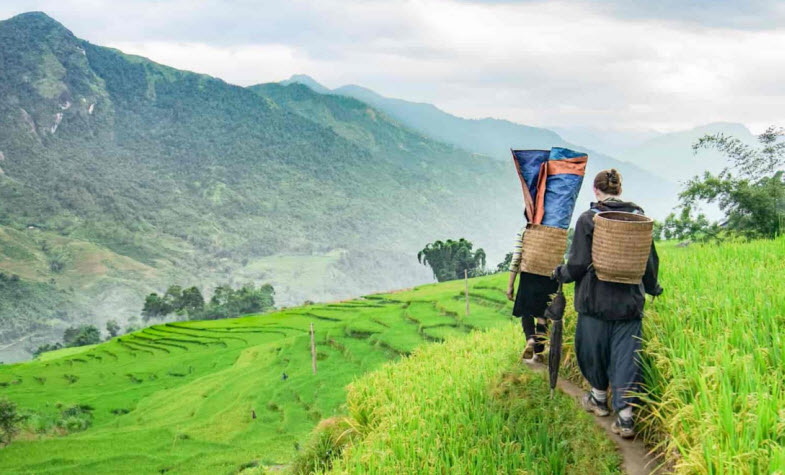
{"points": [[613, 176]]}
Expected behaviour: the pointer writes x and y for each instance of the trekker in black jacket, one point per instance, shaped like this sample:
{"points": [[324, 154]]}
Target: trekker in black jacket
{"points": [[608, 334]]}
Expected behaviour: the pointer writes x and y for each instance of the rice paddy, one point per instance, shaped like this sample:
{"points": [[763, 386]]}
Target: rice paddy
{"points": [[238, 395]]}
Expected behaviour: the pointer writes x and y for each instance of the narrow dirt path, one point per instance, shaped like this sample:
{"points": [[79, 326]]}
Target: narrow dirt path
{"points": [[636, 459]]}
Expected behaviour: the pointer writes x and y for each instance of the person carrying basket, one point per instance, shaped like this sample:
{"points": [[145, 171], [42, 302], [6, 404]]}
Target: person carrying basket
{"points": [[610, 309]]}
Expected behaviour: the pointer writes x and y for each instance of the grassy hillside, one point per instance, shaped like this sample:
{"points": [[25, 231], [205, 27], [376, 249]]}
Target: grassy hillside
{"points": [[714, 366], [180, 396], [200, 180]]}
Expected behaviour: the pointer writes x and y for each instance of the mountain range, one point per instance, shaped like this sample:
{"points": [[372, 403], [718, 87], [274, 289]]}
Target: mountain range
{"points": [[120, 176], [494, 138]]}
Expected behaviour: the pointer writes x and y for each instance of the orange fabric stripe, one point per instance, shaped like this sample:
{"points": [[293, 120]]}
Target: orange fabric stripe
{"points": [[573, 166]]}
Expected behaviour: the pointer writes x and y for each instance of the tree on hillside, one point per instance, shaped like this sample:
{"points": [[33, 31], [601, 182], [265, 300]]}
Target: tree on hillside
{"points": [[9, 421], [154, 307], [504, 265], [227, 302], [191, 301], [81, 335], [448, 259], [751, 192], [173, 299], [113, 328]]}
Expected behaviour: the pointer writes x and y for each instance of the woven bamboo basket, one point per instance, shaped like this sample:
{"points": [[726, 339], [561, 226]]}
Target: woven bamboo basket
{"points": [[621, 246], [543, 249]]}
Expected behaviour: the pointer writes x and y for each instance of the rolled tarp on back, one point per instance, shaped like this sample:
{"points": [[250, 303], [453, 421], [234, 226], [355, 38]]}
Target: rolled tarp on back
{"points": [[550, 192], [528, 164]]}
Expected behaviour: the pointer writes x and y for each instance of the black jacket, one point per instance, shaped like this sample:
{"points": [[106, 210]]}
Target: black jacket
{"points": [[593, 297]]}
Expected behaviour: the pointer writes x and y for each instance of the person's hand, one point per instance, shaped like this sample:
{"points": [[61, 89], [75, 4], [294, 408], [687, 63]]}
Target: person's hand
{"points": [[510, 292], [557, 273]]}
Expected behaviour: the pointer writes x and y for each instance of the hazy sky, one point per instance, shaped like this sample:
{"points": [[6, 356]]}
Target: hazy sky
{"points": [[662, 64]]}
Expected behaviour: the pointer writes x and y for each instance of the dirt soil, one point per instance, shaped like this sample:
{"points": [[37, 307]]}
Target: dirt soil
{"points": [[636, 459]]}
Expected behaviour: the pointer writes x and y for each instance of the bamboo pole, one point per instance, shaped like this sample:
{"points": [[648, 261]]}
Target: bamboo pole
{"points": [[466, 281], [313, 351]]}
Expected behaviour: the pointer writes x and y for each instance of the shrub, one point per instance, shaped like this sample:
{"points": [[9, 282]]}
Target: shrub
{"points": [[10, 419], [76, 418], [328, 441]]}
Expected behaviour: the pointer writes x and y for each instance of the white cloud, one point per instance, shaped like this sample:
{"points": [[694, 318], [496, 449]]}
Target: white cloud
{"points": [[556, 63]]}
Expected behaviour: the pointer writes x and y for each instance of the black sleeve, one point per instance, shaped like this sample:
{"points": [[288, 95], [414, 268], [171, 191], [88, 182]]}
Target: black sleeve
{"points": [[650, 283], [579, 258]]}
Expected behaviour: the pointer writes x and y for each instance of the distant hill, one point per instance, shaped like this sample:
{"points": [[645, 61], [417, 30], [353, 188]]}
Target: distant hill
{"points": [[494, 138], [121, 176], [491, 137], [308, 81], [671, 156], [610, 141]]}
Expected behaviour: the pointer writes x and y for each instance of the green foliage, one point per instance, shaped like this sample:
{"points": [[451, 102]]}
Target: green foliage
{"points": [[504, 265], [76, 418], [685, 226], [326, 444], [113, 328], [154, 307], [191, 301], [81, 335], [23, 303], [449, 259], [46, 347], [753, 201], [225, 303], [10, 421], [658, 230]]}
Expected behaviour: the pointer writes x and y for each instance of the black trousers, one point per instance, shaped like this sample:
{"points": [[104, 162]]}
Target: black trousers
{"points": [[607, 352], [534, 293]]}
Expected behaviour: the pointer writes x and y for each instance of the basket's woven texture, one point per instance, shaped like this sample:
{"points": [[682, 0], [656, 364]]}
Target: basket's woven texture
{"points": [[543, 249], [621, 246]]}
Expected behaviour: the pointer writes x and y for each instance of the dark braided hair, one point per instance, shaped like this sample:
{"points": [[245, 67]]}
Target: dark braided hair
{"points": [[608, 181]]}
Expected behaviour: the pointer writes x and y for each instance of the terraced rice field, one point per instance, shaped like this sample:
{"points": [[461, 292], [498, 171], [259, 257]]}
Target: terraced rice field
{"points": [[238, 395], [182, 397]]}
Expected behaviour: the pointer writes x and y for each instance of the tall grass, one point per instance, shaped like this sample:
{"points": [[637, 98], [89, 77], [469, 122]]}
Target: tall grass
{"points": [[464, 406], [714, 358]]}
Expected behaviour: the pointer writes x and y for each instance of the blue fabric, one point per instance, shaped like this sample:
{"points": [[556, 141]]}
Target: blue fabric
{"points": [[559, 153], [561, 192], [529, 162]]}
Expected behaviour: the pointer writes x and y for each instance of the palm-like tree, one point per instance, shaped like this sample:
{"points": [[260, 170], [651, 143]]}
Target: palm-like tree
{"points": [[448, 259]]}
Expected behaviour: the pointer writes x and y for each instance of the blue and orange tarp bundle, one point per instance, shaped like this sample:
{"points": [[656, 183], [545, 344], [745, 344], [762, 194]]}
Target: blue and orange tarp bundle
{"points": [[551, 180]]}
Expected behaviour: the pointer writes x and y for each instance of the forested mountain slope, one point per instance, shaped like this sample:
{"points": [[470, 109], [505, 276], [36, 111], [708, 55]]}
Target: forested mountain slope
{"points": [[193, 179]]}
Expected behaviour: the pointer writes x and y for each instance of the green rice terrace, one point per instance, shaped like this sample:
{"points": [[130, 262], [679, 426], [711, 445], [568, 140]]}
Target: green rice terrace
{"points": [[405, 384]]}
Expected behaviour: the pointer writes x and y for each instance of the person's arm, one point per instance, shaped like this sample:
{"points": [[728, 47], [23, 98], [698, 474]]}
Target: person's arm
{"points": [[650, 277], [511, 286], [515, 264], [579, 257]]}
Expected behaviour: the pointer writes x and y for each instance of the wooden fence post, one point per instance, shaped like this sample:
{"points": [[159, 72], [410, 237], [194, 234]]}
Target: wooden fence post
{"points": [[466, 281], [313, 351]]}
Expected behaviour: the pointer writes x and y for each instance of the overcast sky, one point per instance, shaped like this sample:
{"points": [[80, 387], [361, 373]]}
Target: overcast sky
{"points": [[663, 65]]}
